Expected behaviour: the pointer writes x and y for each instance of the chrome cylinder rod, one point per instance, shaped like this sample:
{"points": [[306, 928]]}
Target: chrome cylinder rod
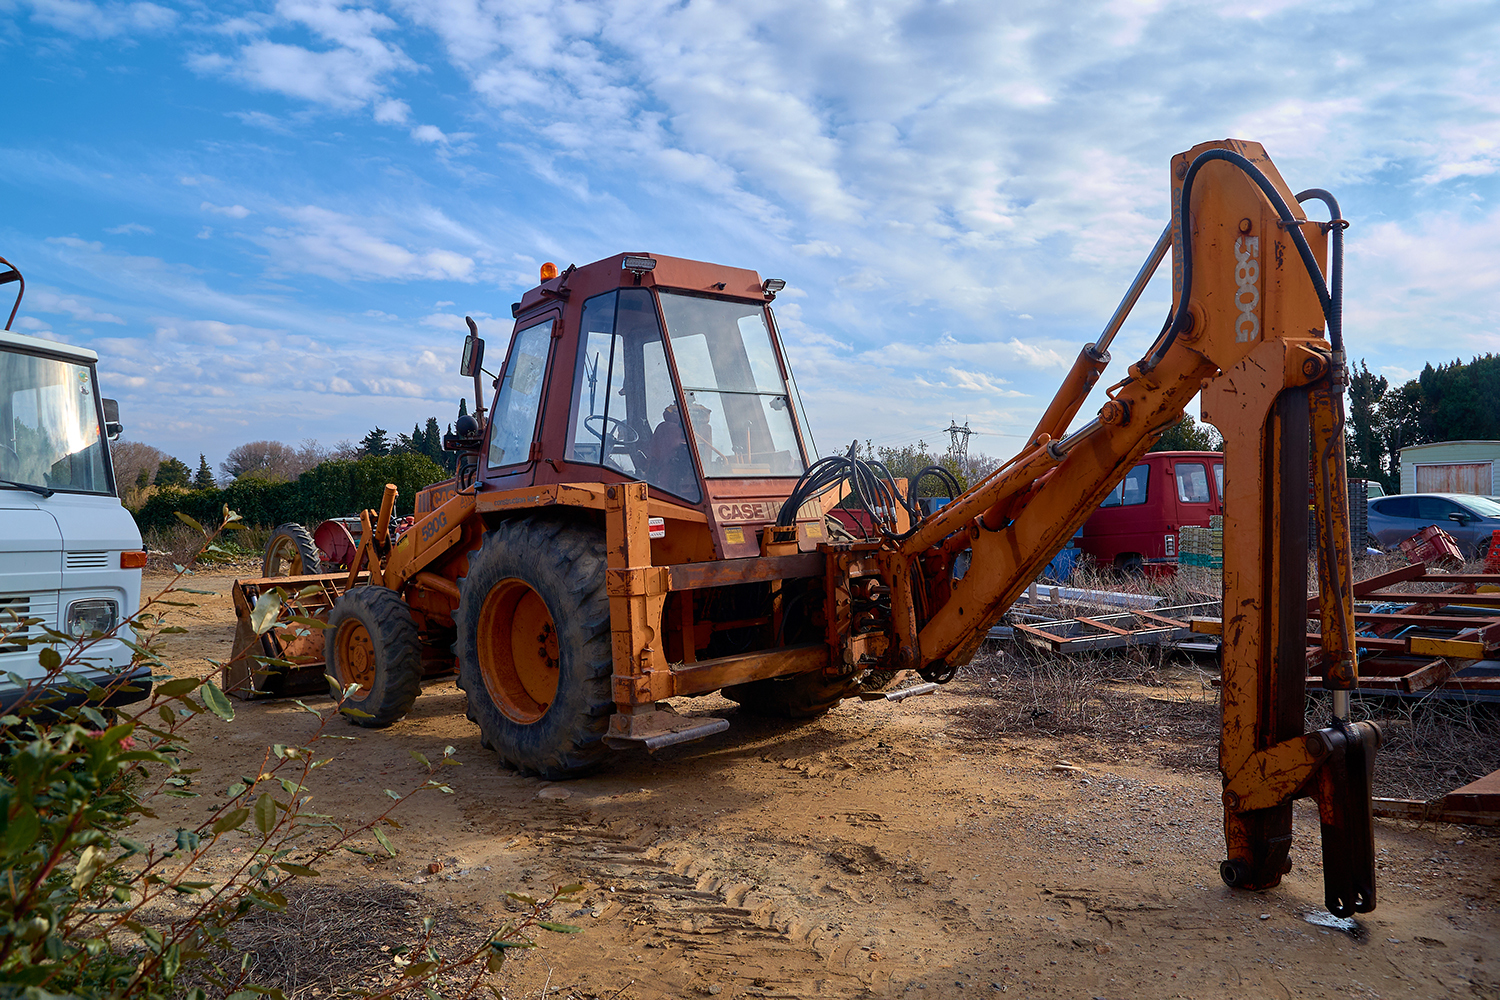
{"points": [[1142, 278]]}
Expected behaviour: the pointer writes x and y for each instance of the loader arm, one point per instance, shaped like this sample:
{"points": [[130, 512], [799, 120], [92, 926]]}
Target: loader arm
{"points": [[1248, 333]]}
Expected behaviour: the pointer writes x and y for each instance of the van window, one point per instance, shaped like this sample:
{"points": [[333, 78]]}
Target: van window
{"points": [[1192, 483], [1132, 489], [1219, 480]]}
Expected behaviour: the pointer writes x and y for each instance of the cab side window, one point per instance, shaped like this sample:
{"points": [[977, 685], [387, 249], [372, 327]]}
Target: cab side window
{"points": [[624, 412], [513, 427], [1131, 490]]}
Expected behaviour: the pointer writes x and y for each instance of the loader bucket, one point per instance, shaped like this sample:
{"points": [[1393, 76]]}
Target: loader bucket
{"points": [[294, 652]]}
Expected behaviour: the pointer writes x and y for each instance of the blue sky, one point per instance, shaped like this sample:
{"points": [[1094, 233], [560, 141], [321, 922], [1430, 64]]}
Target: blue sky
{"points": [[270, 218]]}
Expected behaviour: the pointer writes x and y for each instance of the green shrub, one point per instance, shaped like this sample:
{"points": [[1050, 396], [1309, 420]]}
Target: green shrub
{"points": [[331, 489], [76, 890]]}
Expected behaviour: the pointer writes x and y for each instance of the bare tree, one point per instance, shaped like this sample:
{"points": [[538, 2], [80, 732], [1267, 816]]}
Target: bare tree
{"points": [[345, 451], [130, 458], [276, 461]]}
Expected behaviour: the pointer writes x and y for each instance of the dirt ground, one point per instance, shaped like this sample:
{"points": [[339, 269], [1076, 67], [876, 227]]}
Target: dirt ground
{"points": [[886, 850]]}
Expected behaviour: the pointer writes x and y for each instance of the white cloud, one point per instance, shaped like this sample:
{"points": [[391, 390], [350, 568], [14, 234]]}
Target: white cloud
{"points": [[106, 20], [340, 247], [392, 112], [35, 327], [232, 211], [352, 73], [47, 301], [74, 243], [130, 227], [263, 120]]}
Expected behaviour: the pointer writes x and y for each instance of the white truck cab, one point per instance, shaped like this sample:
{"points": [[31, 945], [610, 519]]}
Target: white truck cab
{"points": [[70, 553]]}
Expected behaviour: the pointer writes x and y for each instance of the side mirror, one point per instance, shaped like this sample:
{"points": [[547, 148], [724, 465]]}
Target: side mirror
{"points": [[112, 426], [1462, 519], [473, 357]]}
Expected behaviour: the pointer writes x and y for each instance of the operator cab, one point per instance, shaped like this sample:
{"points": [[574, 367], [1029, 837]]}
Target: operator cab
{"points": [[658, 369]]}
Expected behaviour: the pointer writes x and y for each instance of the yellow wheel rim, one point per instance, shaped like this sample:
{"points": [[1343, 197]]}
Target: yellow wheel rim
{"points": [[355, 653], [518, 652], [282, 558]]}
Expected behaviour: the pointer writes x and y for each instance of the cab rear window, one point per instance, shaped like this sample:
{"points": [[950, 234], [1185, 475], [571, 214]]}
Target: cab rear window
{"points": [[1192, 482]]}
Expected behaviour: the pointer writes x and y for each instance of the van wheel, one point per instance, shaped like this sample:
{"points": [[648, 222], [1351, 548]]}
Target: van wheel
{"points": [[371, 641], [1130, 565], [534, 648]]}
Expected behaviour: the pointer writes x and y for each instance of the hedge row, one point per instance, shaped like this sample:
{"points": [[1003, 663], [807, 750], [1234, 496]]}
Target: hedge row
{"points": [[332, 489]]}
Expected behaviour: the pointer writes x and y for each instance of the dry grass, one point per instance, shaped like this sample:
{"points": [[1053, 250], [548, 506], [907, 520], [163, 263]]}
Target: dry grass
{"points": [[1103, 703], [1166, 704], [336, 938], [179, 544], [1137, 698], [1431, 746]]}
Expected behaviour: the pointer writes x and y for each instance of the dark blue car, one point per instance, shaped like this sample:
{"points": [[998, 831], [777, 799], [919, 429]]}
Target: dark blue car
{"points": [[1471, 520]]}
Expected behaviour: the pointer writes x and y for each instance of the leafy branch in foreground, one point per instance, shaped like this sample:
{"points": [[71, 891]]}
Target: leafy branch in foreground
{"points": [[83, 905]]}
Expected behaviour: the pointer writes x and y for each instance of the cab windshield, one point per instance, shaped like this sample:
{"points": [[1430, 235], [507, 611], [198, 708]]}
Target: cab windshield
{"points": [[739, 411], [49, 425]]}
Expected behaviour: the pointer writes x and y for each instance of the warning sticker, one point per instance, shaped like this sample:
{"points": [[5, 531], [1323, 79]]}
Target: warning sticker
{"points": [[657, 527]]}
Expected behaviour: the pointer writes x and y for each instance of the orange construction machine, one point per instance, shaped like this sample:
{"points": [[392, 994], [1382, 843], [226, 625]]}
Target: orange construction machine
{"points": [[638, 515]]}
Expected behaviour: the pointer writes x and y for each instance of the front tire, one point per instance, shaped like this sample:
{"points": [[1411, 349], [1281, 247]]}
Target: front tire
{"points": [[534, 649], [290, 551], [372, 641]]}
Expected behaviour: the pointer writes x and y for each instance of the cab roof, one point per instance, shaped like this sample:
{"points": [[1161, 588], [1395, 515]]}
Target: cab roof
{"points": [[37, 344], [675, 273]]}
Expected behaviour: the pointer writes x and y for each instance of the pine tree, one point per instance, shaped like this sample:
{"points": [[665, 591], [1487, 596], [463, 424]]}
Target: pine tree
{"points": [[463, 407], [1366, 449], [375, 443], [173, 472], [143, 478], [203, 479]]}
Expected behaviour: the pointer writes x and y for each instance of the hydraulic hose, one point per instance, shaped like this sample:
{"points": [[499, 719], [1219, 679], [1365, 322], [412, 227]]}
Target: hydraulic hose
{"points": [[1182, 316], [1338, 225]]}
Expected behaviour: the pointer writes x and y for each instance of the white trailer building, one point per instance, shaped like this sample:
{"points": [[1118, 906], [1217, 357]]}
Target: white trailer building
{"points": [[1452, 467]]}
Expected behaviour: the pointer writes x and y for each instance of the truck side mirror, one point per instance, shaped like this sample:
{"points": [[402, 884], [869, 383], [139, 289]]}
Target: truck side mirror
{"points": [[473, 357], [112, 426]]}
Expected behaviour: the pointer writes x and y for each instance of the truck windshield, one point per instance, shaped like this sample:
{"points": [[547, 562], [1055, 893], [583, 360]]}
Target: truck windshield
{"points": [[738, 406], [49, 425]]}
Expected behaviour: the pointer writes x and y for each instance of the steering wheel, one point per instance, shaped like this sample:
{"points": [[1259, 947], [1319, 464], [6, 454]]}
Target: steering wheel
{"points": [[610, 432]]}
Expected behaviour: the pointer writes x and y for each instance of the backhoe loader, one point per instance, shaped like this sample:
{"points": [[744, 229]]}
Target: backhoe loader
{"points": [[638, 516]]}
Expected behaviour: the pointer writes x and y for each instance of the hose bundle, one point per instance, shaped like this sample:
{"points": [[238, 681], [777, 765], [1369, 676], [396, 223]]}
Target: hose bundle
{"points": [[869, 480]]}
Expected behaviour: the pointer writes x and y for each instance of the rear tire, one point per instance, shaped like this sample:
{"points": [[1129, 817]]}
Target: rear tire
{"points": [[372, 641], [534, 648], [291, 551], [801, 696]]}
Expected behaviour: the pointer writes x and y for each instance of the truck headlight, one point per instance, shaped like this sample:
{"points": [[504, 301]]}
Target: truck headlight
{"points": [[85, 617]]}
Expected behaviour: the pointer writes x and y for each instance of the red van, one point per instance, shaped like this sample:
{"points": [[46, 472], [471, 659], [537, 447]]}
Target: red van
{"points": [[1135, 528]]}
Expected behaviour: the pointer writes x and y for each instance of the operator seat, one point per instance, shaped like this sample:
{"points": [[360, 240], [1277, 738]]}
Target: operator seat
{"points": [[671, 463]]}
